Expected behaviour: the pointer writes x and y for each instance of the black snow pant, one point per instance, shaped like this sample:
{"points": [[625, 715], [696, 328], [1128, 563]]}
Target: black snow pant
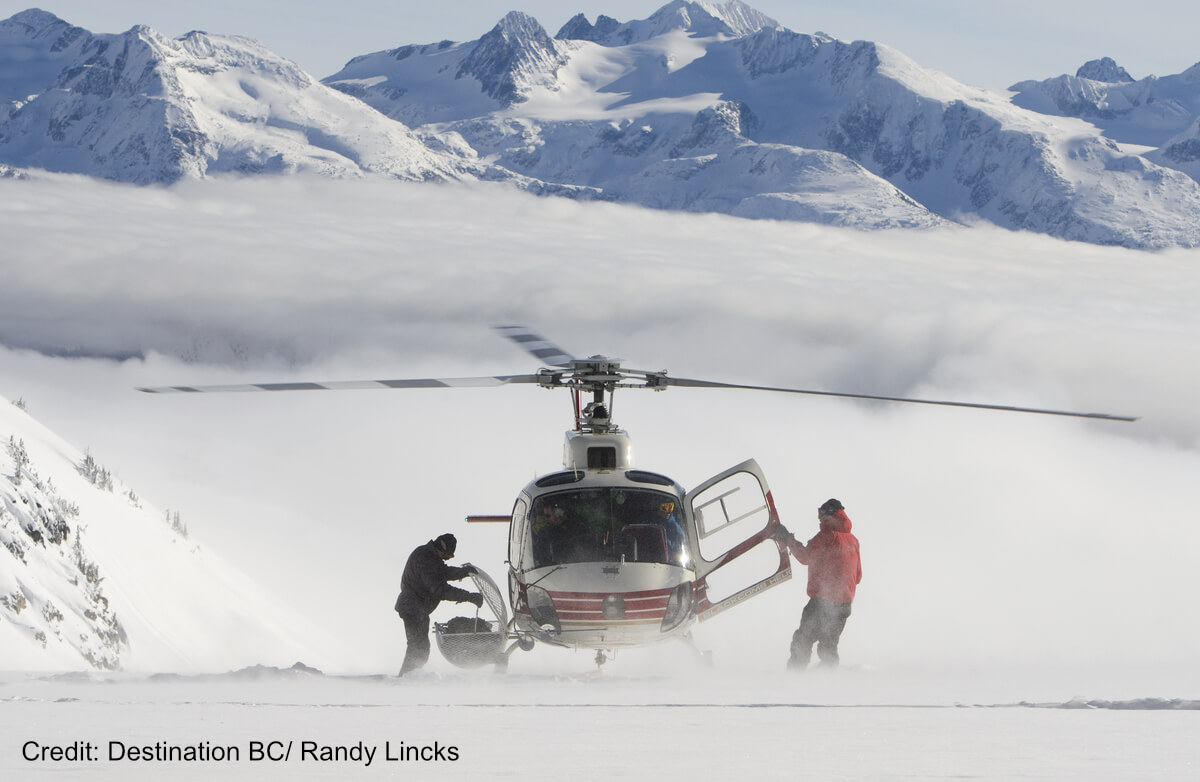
{"points": [[821, 623], [416, 632]]}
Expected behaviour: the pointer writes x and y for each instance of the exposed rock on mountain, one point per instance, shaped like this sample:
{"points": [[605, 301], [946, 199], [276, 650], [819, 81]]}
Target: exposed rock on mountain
{"points": [[1105, 69], [514, 57]]}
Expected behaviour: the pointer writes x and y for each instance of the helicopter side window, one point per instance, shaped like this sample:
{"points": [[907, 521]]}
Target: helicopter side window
{"points": [[520, 544]]}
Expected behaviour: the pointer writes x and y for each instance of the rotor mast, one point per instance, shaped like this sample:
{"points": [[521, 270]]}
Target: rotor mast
{"points": [[596, 442], [599, 376]]}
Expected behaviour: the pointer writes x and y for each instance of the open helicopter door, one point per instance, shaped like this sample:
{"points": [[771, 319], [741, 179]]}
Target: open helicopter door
{"points": [[733, 520]]}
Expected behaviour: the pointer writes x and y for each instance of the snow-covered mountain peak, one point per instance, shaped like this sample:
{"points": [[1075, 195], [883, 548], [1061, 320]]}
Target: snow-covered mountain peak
{"points": [[734, 19], [235, 51], [516, 54], [708, 106], [702, 19], [1149, 112], [701, 106], [578, 28], [33, 47], [125, 65], [141, 107], [36, 23], [1105, 69], [740, 17], [518, 24]]}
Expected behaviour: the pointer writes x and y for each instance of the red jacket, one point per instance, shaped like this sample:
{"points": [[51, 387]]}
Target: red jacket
{"points": [[834, 568]]}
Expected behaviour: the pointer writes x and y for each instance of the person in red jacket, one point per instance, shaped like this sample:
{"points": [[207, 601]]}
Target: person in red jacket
{"points": [[834, 571]]}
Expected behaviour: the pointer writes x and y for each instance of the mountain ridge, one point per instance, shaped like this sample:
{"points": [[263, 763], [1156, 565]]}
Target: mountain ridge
{"points": [[622, 117], [853, 134]]}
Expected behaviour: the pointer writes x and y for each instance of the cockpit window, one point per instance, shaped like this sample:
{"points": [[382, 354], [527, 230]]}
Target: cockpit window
{"points": [[608, 524]]}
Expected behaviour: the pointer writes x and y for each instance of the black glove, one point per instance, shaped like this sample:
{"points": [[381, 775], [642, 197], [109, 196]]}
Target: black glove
{"points": [[476, 598], [470, 570], [781, 534]]}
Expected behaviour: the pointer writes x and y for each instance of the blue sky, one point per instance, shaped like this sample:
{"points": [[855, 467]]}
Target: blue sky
{"points": [[990, 44]]}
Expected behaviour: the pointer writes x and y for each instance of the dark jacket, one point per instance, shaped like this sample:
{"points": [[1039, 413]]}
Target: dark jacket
{"points": [[834, 567], [423, 584]]}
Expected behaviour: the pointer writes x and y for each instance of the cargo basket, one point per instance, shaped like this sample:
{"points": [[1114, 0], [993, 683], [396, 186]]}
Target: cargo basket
{"points": [[470, 642]]}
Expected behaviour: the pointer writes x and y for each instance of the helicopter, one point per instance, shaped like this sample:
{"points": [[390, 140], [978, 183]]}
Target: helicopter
{"points": [[602, 554]]}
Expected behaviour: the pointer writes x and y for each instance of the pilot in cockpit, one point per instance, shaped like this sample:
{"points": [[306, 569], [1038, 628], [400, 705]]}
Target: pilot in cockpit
{"points": [[550, 538]]}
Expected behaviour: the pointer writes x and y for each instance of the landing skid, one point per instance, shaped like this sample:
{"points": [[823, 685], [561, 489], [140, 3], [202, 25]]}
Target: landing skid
{"points": [[523, 641]]}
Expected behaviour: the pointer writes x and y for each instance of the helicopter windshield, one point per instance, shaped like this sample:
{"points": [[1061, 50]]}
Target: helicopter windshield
{"points": [[608, 524]]}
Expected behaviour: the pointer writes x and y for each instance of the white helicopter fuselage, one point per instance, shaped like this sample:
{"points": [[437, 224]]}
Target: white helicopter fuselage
{"points": [[605, 556]]}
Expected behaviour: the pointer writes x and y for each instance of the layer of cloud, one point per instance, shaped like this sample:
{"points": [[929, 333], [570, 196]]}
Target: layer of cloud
{"points": [[987, 536], [297, 271]]}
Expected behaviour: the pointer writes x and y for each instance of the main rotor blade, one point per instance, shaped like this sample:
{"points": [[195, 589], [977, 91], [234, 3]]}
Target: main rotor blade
{"points": [[537, 345], [342, 385], [687, 383]]}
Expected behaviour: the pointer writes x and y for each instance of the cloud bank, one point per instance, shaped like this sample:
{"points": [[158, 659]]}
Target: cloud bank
{"points": [[986, 536]]}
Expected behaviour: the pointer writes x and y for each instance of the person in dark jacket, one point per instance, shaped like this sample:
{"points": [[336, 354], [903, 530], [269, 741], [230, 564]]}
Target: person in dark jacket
{"points": [[423, 585], [834, 571]]}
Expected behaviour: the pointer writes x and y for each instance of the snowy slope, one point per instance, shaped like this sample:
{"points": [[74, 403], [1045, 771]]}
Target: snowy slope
{"points": [[718, 108], [139, 107], [92, 574]]}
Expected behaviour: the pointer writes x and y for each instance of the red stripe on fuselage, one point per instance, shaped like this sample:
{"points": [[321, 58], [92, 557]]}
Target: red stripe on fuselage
{"points": [[650, 605]]}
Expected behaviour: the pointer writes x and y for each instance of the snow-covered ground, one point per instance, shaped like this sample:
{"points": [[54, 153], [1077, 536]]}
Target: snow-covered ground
{"points": [[859, 724], [1013, 565]]}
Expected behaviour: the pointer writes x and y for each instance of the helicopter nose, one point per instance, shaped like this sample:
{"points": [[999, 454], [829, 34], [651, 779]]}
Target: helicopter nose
{"points": [[613, 607]]}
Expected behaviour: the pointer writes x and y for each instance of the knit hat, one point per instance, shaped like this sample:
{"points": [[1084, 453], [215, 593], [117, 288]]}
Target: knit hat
{"points": [[446, 543], [830, 507]]}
